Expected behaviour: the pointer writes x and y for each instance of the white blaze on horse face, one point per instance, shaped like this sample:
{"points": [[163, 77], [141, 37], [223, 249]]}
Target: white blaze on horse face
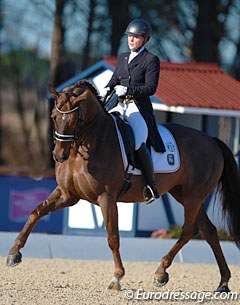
{"points": [[64, 116]]}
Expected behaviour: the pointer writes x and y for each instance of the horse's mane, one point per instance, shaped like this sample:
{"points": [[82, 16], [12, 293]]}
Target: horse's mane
{"points": [[90, 86], [85, 82]]}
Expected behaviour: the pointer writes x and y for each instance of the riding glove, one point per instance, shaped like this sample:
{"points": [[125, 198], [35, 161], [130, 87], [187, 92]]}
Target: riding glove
{"points": [[120, 90]]}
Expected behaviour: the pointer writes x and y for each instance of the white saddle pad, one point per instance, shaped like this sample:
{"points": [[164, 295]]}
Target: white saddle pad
{"points": [[167, 162]]}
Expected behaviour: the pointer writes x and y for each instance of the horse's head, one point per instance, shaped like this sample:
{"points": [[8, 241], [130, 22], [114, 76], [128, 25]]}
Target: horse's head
{"points": [[67, 118], [69, 115]]}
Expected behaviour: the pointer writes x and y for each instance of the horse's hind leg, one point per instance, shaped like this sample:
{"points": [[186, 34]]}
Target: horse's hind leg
{"points": [[191, 208], [210, 234], [54, 202]]}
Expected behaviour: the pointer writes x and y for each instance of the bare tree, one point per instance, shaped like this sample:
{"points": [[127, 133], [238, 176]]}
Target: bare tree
{"points": [[236, 63], [207, 34], [57, 51], [87, 48], [119, 18], [57, 48]]}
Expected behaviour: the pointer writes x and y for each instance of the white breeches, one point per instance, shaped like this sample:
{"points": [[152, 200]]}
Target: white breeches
{"points": [[132, 115]]}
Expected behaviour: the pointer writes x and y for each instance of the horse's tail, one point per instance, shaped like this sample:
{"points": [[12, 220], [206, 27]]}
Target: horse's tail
{"points": [[230, 181]]}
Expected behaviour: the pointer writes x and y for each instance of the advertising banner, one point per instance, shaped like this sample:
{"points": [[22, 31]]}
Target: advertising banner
{"points": [[20, 196]]}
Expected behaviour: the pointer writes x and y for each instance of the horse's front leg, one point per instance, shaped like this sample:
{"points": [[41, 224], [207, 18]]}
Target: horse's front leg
{"points": [[110, 215], [54, 202]]}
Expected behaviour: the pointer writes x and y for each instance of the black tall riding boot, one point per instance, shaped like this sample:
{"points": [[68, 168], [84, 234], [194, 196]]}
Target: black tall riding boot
{"points": [[145, 163]]}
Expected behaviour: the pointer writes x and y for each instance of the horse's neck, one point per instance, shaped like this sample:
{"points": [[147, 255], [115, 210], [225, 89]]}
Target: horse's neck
{"points": [[98, 135]]}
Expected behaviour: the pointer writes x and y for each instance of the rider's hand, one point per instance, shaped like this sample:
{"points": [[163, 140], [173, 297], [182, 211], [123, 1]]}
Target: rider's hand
{"points": [[120, 90], [103, 92]]}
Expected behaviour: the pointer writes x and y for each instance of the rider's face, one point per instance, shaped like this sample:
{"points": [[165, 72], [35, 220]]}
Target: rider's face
{"points": [[135, 42]]}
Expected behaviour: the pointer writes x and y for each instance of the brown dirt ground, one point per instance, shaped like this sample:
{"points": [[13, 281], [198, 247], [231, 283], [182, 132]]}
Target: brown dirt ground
{"points": [[77, 282]]}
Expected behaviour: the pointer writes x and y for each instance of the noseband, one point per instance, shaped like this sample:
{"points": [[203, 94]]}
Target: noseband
{"points": [[69, 137]]}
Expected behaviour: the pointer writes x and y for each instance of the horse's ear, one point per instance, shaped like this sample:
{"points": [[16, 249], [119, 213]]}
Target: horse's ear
{"points": [[52, 91]]}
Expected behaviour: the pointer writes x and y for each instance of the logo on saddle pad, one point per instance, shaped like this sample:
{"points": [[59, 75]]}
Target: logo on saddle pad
{"points": [[167, 162], [170, 159], [170, 146]]}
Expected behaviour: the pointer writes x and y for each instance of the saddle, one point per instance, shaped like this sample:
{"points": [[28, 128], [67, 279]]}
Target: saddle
{"points": [[127, 137], [166, 162]]}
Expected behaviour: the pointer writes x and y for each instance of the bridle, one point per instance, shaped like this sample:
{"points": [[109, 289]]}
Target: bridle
{"points": [[69, 137]]}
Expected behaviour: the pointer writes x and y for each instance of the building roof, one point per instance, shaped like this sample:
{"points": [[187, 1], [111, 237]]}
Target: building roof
{"points": [[198, 85]]}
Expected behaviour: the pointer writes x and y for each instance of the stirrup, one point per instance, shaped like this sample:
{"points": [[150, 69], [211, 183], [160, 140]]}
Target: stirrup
{"points": [[149, 195]]}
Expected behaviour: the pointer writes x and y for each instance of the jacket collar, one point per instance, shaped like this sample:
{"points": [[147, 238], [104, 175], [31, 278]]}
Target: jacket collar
{"points": [[137, 59], [136, 53]]}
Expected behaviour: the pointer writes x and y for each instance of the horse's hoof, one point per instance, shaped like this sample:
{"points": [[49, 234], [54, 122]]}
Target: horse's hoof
{"points": [[14, 260], [114, 286], [161, 280], [224, 289]]}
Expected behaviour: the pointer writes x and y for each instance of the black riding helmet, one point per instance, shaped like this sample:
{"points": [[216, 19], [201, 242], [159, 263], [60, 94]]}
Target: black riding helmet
{"points": [[139, 27]]}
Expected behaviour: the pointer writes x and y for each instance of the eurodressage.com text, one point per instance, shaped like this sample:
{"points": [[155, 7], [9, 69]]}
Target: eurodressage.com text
{"points": [[197, 296]]}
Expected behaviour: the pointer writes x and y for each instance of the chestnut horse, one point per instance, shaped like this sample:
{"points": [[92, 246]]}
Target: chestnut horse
{"points": [[89, 166]]}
